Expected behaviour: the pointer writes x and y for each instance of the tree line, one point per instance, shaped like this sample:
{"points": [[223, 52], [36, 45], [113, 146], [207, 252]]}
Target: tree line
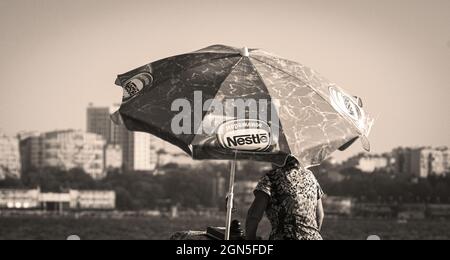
{"points": [[197, 187]]}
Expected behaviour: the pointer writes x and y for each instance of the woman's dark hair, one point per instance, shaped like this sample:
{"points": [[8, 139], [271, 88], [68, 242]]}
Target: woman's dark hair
{"points": [[291, 162]]}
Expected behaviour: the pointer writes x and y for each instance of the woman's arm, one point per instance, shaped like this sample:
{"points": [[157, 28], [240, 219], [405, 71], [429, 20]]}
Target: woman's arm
{"points": [[320, 214], [255, 214]]}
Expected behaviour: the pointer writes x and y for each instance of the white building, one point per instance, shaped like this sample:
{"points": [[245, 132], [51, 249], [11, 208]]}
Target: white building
{"points": [[369, 163], [65, 150], [73, 199], [91, 199], [19, 199], [145, 152], [429, 162], [144, 157], [138, 149], [113, 157], [74, 149], [10, 164]]}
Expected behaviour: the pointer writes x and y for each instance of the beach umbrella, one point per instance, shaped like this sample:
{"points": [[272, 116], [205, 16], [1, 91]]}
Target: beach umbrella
{"points": [[231, 103]]}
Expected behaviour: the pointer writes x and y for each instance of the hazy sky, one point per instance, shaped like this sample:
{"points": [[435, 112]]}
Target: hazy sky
{"points": [[56, 56]]}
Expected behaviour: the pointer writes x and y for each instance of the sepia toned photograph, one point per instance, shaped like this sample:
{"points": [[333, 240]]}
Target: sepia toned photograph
{"points": [[249, 121]]}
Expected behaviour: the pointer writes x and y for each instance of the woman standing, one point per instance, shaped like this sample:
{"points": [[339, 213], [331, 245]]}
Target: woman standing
{"points": [[292, 200]]}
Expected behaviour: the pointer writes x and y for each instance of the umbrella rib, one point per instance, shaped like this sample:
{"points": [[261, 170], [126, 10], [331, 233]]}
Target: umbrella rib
{"points": [[313, 89], [191, 67], [218, 89], [225, 49], [265, 85], [185, 69], [295, 77], [230, 55]]}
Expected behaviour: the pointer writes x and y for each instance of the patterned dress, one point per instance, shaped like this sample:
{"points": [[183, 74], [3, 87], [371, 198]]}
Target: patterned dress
{"points": [[293, 193]]}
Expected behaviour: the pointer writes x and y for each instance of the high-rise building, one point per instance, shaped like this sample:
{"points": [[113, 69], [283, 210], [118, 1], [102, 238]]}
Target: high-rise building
{"points": [[10, 164], [122, 137], [422, 162], [441, 161], [446, 158], [30, 150], [139, 150], [99, 122], [429, 162], [402, 158], [140, 156], [113, 157], [65, 150]]}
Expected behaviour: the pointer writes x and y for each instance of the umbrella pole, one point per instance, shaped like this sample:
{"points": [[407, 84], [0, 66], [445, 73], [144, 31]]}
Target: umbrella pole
{"points": [[230, 198]]}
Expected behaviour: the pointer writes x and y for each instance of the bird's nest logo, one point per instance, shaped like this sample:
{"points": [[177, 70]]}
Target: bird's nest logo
{"points": [[351, 107], [345, 104], [135, 85], [245, 135]]}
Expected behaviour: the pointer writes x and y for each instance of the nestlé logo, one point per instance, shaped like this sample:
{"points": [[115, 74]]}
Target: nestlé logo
{"points": [[244, 135]]}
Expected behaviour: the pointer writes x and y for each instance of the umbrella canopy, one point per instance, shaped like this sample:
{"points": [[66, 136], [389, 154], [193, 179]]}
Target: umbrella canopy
{"points": [[223, 102]]}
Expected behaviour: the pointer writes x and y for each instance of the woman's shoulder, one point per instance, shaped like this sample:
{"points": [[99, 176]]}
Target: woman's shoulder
{"points": [[304, 173], [289, 170], [299, 169]]}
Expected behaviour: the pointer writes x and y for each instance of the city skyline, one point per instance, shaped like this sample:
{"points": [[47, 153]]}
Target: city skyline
{"points": [[340, 157], [105, 146], [392, 54]]}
